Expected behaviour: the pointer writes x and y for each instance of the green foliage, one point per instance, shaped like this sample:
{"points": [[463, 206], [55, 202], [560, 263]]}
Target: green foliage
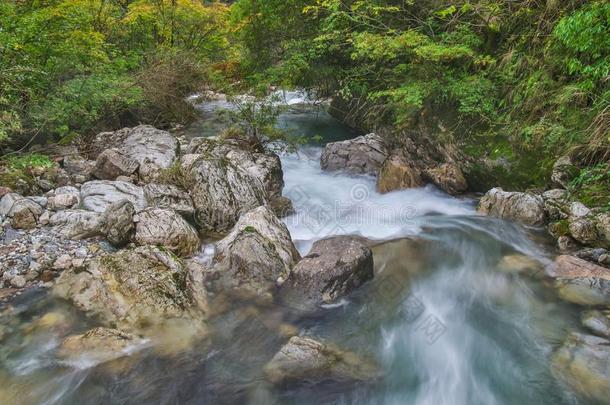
{"points": [[592, 185]]}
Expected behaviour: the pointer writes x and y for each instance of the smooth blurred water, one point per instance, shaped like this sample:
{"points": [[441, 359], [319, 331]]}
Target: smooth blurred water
{"points": [[445, 323]]}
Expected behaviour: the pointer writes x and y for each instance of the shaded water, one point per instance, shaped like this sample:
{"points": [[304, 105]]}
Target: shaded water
{"points": [[447, 325]]}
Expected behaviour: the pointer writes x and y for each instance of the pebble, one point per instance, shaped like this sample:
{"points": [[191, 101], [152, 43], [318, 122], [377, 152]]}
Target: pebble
{"points": [[63, 262], [18, 281]]}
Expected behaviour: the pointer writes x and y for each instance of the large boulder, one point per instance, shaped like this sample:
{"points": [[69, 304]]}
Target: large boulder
{"points": [[152, 148], [584, 363], [362, 155], [448, 177], [333, 268], [583, 229], [305, 360], [165, 227], [580, 281], [76, 224], [169, 196], [256, 256], [113, 163], [7, 201], [98, 345], [398, 173], [133, 288], [24, 213], [98, 195], [117, 223], [522, 207]]}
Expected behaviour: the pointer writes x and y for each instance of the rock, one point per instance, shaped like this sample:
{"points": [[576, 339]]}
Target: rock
{"points": [[24, 214], [305, 360], [221, 191], [604, 259], [7, 201], [98, 195], [581, 282], [4, 191], [76, 224], [583, 230], [64, 198], [168, 196], [564, 171], [556, 204], [152, 148], [130, 288], [519, 263], [63, 262], [449, 178], [566, 243], [578, 210], [18, 281], [76, 165], [603, 229], [117, 223], [165, 227], [397, 173], [597, 322], [97, 346], [113, 163], [584, 363], [523, 207], [46, 276], [362, 155], [333, 268], [250, 260], [591, 254]]}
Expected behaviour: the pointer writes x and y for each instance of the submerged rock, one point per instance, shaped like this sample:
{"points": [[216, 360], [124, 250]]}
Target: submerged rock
{"points": [[362, 155], [398, 173], [581, 282], [597, 322], [130, 288], [257, 254], [523, 207], [519, 263], [96, 346], [305, 360], [165, 227], [98, 195], [584, 363], [332, 269]]}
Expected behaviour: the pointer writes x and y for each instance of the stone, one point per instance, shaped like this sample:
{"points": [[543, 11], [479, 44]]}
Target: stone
{"points": [[117, 223], [168, 196], [598, 322], [449, 178], [603, 229], [165, 227], [522, 207], [64, 198], [566, 243], [581, 282], [306, 360], [63, 262], [578, 210], [18, 281], [133, 288], [332, 269], [97, 346], [24, 214], [398, 173], [251, 259], [113, 163], [98, 195], [584, 363], [7, 201], [519, 263], [152, 148], [564, 171], [362, 155], [591, 254], [76, 224], [583, 230], [76, 165], [4, 191], [47, 276]]}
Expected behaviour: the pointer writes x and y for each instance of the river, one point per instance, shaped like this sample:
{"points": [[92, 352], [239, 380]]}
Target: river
{"points": [[446, 321]]}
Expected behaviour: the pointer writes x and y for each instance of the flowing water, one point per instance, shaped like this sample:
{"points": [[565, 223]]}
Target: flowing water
{"points": [[442, 317]]}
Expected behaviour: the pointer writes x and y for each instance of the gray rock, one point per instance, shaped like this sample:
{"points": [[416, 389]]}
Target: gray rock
{"points": [[603, 229], [18, 281], [566, 243], [305, 360], [564, 171], [24, 214], [523, 207], [168, 196], [591, 254], [76, 224], [113, 163], [64, 198], [152, 148], [583, 230], [7, 201], [584, 363], [257, 254], [76, 165], [333, 268], [130, 288], [117, 223], [165, 227], [597, 322], [98, 195], [556, 204], [362, 155], [578, 210]]}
